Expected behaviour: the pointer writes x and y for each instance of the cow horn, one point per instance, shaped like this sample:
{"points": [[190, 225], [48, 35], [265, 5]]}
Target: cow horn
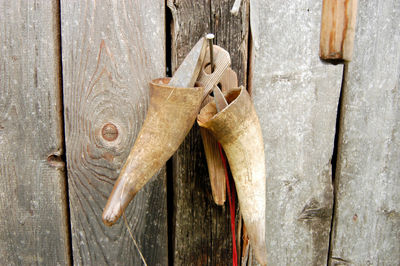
{"points": [[171, 114], [238, 130]]}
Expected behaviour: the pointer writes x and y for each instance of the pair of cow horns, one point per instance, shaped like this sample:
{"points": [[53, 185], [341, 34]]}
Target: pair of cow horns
{"points": [[171, 114]]}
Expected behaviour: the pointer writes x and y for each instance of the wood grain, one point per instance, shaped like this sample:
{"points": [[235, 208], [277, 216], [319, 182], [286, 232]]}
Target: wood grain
{"points": [[202, 230], [296, 97], [221, 62], [33, 227], [366, 227], [111, 51], [232, 32], [338, 21]]}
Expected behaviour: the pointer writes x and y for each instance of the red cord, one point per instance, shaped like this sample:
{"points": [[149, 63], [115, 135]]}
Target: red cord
{"points": [[232, 208]]}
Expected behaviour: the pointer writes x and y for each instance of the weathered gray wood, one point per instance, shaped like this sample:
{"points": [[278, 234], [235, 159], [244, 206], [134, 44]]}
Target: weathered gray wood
{"points": [[367, 210], [111, 50], [202, 229], [296, 97], [33, 223], [232, 32]]}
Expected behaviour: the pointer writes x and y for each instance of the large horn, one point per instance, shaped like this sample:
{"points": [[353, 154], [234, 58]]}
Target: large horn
{"points": [[171, 114], [238, 130]]}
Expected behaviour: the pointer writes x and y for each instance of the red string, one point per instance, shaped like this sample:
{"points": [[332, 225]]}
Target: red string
{"points": [[232, 208]]}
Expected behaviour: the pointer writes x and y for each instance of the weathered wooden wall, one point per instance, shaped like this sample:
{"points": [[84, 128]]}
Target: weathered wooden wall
{"points": [[33, 223], [296, 97], [96, 84], [366, 226], [110, 53]]}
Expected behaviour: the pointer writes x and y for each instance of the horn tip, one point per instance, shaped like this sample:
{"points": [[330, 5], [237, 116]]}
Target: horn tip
{"points": [[110, 217]]}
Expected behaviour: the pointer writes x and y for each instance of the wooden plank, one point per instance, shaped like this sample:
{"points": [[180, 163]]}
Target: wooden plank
{"points": [[296, 97], [231, 33], [338, 21], [111, 50], [367, 209], [202, 230], [34, 226]]}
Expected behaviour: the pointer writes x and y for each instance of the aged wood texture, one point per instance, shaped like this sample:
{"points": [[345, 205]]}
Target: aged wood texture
{"points": [[338, 21], [33, 227], [202, 230], [366, 227], [111, 51], [296, 97], [231, 33]]}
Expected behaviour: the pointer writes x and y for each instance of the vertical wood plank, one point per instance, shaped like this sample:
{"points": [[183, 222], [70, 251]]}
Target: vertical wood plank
{"points": [[202, 233], [232, 33], [111, 50], [33, 227], [296, 97], [366, 227]]}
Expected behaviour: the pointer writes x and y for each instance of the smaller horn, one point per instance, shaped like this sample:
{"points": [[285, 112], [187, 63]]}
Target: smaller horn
{"points": [[238, 130]]}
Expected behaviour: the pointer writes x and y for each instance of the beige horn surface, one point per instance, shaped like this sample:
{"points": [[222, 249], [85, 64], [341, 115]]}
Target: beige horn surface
{"points": [[171, 114], [215, 166], [238, 130]]}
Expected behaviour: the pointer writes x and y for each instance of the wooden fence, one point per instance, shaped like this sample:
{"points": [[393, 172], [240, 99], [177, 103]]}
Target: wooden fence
{"points": [[73, 96]]}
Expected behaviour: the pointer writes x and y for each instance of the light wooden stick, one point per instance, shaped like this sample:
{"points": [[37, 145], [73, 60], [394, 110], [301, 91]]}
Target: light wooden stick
{"points": [[337, 29], [222, 61]]}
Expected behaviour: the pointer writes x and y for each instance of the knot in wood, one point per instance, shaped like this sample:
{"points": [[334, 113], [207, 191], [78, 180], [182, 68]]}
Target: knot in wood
{"points": [[109, 132]]}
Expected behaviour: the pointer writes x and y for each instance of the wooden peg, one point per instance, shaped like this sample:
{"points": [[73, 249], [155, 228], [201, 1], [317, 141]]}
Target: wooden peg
{"points": [[219, 98], [337, 29], [209, 78]]}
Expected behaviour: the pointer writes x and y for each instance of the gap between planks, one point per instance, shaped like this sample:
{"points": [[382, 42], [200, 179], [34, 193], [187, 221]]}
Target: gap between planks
{"points": [[335, 157], [57, 12]]}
